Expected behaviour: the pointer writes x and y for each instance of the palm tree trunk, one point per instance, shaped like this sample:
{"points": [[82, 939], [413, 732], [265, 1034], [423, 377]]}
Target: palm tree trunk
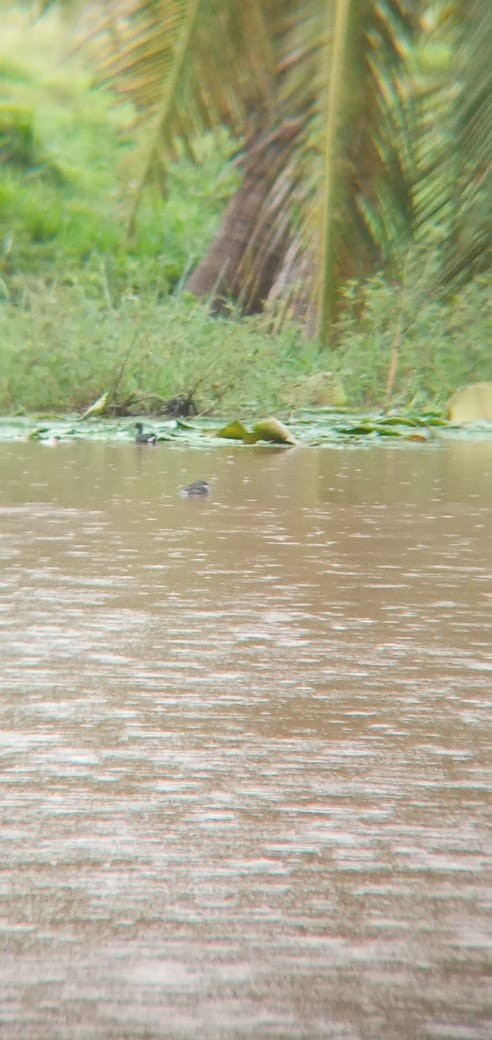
{"points": [[253, 233], [331, 162]]}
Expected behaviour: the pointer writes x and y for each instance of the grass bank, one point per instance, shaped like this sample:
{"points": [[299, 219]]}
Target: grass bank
{"points": [[85, 309], [62, 345]]}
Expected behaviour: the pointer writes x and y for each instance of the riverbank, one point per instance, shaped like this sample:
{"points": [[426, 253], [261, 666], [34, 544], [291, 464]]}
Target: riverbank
{"points": [[87, 309]]}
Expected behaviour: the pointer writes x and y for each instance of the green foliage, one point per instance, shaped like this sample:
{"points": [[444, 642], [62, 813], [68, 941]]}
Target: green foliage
{"points": [[83, 312], [63, 182], [375, 115], [308, 428], [62, 347], [435, 345], [17, 145]]}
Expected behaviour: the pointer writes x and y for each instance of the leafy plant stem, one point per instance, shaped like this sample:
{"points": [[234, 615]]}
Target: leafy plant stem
{"points": [[393, 365]]}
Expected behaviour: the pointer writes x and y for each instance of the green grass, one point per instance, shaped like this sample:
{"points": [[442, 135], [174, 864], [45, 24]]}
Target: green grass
{"points": [[435, 344], [85, 311], [62, 347]]}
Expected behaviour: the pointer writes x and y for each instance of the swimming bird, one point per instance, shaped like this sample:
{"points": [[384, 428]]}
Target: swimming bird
{"points": [[144, 438], [198, 487]]}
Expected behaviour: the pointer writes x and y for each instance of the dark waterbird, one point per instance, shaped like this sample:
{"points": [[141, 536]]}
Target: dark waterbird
{"points": [[196, 489], [144, 438]]}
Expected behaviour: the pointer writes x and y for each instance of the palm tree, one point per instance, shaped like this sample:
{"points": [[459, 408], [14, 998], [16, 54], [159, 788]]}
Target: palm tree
{"points": [[364, 127]]}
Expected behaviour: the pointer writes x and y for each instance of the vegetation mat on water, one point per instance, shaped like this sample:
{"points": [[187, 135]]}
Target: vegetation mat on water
{"points": [[309, 428]]}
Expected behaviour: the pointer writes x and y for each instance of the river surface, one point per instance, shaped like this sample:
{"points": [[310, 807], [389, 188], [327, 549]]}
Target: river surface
{"points": [[245, 743]]}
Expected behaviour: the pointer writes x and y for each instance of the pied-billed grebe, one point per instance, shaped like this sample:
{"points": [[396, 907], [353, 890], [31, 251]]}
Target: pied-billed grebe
{"points": [[199, 487]]}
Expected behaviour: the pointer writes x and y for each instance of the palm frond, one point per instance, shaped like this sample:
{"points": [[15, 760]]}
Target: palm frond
{"points": [[469, 242], [366, 130], [187, 66]]}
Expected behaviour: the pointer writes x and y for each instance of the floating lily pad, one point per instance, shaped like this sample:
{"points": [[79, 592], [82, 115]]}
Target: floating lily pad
{"points": [[235, 431], [274, 431], [399, 420], [418, 437], [323, 426], [358, 429], [271, 430]]}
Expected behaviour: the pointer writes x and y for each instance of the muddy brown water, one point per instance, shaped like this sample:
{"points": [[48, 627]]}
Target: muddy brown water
{"points": [[245, 743]]}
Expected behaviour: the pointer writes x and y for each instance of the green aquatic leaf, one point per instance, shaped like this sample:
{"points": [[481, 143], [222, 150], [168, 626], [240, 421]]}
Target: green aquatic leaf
{"points": [[271, 430], [435, 420], [274, 431], [398, 420], [358, 429], [322, 427], [38, 433], [235, 431]]}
